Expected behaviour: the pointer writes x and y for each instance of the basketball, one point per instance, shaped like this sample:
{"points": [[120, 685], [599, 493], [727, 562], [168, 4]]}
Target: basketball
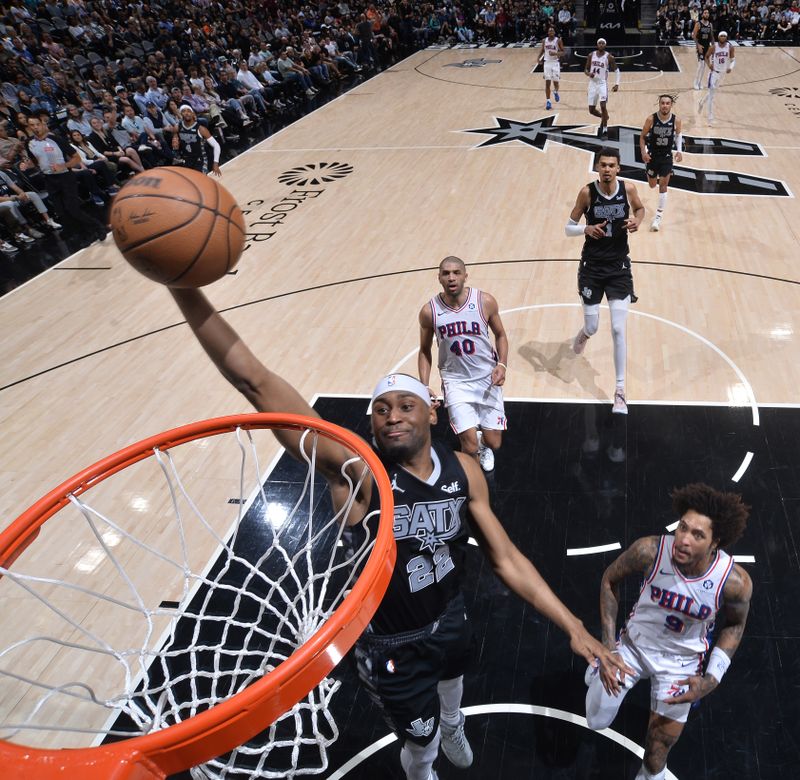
{"points": [[178, 227]]}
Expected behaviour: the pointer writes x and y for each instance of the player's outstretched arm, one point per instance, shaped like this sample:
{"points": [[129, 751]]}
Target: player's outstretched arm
{"points": [[519, 574], [264, 389], [491, 311], [637, 559], [736, 597]]}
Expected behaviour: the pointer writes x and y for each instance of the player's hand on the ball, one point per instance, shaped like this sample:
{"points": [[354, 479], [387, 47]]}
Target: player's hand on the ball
{"points": [[596, 231], [696, 688]]}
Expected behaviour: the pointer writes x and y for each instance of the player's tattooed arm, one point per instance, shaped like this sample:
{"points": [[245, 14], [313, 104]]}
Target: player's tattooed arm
{"points": [[637, 559], [736, 597]]}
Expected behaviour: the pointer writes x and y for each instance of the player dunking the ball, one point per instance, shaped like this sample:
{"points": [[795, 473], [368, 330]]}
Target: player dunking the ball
{"points": [[689, 580], [413, 654], [472, 370], [598, 65], [612, 209], [550, 55], [661, 131]]}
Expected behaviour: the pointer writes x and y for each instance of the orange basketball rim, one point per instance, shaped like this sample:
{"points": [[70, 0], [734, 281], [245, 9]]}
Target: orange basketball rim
{"points": [[221, 728]]}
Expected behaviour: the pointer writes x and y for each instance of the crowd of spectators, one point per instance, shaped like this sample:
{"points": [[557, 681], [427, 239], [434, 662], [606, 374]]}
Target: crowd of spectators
{"points": [[94, 91], [744, 20]]}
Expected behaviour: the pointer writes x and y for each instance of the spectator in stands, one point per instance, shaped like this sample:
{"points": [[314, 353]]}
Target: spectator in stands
{"points": [[93, 161], [107, 145]]}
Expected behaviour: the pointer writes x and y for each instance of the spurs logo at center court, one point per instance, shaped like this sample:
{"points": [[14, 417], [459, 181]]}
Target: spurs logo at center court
{"points": [[625, 138], [480, 62]]}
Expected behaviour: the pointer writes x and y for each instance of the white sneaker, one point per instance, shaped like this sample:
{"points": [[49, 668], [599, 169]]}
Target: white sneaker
{"points": [[697, 85], [6, 246], [455, 745], [25, 238], [486, 458], [620, 404], [656, 224], [579, 342], [51, 223]]}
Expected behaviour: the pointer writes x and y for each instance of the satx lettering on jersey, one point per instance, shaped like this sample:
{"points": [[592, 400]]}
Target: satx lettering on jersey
{"points": [[609, 211], [432, 522], [678, 602], [459, 328]]}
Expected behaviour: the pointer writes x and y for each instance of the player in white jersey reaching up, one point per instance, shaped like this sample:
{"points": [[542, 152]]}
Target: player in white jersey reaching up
{"points": [[598, 65], [689, 580], [550, 55], [472, 370], [720, 59]]}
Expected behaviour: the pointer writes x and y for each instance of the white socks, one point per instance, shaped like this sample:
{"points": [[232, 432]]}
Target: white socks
{"points": [[591, 319], [619, 315], [662, 200]]}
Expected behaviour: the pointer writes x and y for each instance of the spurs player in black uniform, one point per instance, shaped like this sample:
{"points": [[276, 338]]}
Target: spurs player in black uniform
{"points": [[612, 209], [661, 131], [703, 35], [412, 655], [190, 143]]}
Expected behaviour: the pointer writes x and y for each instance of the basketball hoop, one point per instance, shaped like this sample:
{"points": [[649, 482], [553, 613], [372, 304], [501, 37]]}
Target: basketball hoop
{"points": [[291, 610]]}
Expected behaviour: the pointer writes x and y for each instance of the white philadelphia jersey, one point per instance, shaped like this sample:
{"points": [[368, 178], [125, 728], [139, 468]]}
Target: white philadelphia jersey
{"points": [[465, 347], [551, 49], [676, 614], [721, 57], [598, 70]]}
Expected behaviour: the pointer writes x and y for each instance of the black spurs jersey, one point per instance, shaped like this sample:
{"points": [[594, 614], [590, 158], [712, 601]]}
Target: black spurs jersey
{"points": [[705, 34], [661, 137], [192, 147], [613, 210], [431, 533]]}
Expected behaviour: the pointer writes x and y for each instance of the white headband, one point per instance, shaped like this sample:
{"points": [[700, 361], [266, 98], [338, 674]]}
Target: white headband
{"points": [[600, 40], [721, 33], [403, 383], [185, 105]]}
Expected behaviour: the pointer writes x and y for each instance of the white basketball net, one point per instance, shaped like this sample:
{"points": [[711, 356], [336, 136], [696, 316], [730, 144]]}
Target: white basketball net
{"points": [[237, 618]]}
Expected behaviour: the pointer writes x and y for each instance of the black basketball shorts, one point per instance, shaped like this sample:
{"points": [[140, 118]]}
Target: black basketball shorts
{"points": [[702, 55], [658, 167], [401, 671], [612, 279]]}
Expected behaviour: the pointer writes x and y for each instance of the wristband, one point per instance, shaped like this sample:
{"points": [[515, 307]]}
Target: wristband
{"points": [[503, 365], [679, 142], [572, 229], [618, 76], [718, 664]]}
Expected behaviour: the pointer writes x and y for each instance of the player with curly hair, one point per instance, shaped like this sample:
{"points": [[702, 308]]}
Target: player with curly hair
{"points": [[688, 580]]}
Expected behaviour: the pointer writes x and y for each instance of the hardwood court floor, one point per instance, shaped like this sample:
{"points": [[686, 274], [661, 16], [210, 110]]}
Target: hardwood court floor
{"points": [[351, 208]]}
